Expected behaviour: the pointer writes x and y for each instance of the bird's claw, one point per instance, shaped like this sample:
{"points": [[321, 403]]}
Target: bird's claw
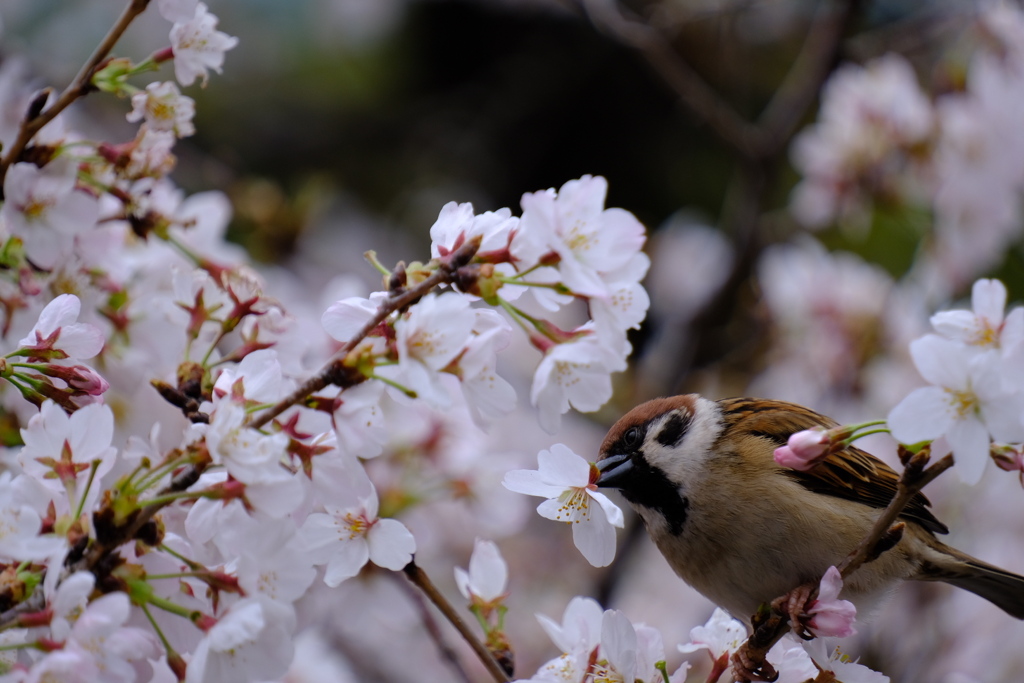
{"points": [[794, 605], [747, 668]]}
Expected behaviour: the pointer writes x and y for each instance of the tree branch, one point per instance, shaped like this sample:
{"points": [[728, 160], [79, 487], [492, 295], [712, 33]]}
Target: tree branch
{"points": [[334, 368], [693, 90], [420, 579], [914, 478], [77, 88]]}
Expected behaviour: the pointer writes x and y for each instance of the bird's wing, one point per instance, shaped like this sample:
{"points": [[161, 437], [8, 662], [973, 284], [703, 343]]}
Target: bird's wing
{"points": [[851, 474]]}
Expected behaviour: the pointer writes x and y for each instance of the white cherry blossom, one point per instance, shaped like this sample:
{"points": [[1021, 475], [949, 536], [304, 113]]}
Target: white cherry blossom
{"points": [[487, 578], [576, 373], [58, 330], [567, 481], [967, 403], [429, 337], [349, 533], [198, 46], [43, 208], [68, 445], [100, 632], [253, 641], [589, 239], [164, 108], [20, 525]]}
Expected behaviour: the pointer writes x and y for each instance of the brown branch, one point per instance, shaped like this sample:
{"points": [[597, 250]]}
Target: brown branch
{"points": [[420, 579], [770, 630], [434, 630], [77, 88], [693, 90], [99, 550], [335, 368], [817, 59]]}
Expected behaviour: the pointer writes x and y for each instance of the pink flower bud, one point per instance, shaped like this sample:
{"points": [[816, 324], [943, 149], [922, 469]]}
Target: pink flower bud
{"points": [[804, 450], [830, 616]]}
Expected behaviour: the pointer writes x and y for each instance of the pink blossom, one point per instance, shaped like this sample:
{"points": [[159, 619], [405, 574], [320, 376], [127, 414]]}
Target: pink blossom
{"points": [[804, 450], [830, 616]]}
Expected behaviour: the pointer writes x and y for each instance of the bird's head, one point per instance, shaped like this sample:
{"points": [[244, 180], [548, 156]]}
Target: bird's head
{"points": [[657, 450]]}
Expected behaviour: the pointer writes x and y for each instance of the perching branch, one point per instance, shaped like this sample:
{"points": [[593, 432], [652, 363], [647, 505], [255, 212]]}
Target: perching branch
{"points": [[79, 87], [420, 579], [95, 554], [915, 477], [335, 371]]}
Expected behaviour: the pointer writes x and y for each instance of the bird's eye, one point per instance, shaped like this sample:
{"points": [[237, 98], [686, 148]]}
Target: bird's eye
{"points": [[632, 437]]}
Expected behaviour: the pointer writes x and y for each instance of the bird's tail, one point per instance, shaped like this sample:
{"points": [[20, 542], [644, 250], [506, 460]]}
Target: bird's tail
{"points": [[1003, 589]]}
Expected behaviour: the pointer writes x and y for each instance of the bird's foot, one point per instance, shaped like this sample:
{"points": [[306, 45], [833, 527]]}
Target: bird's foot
{"points": [[794, 605], [748, 666]]}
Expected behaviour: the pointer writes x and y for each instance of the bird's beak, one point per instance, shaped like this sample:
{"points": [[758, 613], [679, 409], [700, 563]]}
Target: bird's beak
{"points": [[614, 470]]}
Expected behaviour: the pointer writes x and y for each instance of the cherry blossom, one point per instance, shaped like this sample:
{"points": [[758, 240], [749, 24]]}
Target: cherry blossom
{"points": [[69, 446], [967, 403], [43, 208], [253, 641], [198, 46], [428, 338], [576, 373], [487, 579], [349, 533], [803, 450], [58, 334], [830, 616], [721, 636], [591, 241], [827, 656], [164, 108], [20, 538], [567, 481], [100, 633]]}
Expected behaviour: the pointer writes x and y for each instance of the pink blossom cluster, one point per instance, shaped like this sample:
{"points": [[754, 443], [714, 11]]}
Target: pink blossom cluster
{"points": [[882, 143]]}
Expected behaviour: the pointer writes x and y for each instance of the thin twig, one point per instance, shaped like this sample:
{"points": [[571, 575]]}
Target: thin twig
{"points": [[420, 579], [444, 274], [816, 61], [434, 631], [693, 90], [77, 88], [100, 549], [913, 479]]}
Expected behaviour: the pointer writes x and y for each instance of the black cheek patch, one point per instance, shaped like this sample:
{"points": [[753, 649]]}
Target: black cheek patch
{"points": [[648, 486], [674, 430]]}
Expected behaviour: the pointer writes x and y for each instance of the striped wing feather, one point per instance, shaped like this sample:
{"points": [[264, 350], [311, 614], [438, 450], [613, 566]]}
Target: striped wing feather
{"points": [[851, 474]]}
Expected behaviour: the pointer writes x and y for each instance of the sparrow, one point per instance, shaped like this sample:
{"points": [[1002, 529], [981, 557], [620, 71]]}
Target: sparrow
{"points": [[744, 531]]}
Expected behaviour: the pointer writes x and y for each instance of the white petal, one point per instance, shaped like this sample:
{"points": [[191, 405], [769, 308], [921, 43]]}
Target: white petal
{"points": [[595, 539], [925, 414], [611, 510], [561, 465], [531, 483], [941, 361], [349, 557], [988, 298], [488, 570], [959, 325], [391, 544], [970, 443]]}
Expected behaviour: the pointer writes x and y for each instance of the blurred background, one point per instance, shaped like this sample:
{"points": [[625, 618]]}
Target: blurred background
{"points": [[344, 125]]}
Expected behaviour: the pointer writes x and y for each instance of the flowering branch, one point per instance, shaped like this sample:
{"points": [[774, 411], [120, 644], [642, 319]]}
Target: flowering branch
{"points": [[335, 371], [420, 579], [883, 536], [80, 86]]}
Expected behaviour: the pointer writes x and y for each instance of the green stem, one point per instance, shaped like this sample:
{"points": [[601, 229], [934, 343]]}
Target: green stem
{"points": [[371, 257], [94, 465], [405, 390], [156, 627], [172, 607], [175, 554]]}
